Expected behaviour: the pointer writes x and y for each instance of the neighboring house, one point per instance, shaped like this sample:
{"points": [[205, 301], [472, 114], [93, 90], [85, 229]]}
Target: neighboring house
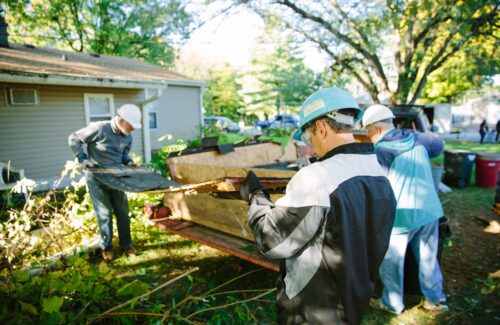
{"points": [[45, 94]]}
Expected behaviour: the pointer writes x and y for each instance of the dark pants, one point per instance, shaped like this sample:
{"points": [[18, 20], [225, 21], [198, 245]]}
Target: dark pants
{"points": [[105, 201], [482, 134]]}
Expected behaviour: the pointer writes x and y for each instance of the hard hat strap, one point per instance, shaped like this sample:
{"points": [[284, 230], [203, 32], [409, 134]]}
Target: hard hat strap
{"points": [[341, 118]]}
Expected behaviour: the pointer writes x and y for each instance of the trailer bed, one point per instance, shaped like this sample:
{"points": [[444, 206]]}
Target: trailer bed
{"points": [[232, 245]]}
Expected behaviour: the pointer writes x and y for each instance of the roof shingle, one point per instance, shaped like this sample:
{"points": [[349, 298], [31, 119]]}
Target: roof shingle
{"points": [[46, 61]]}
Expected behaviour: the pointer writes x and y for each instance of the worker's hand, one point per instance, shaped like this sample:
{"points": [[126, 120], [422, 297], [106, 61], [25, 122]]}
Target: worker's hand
{"points": [[131, 163], [86, 164], [249, 186]]}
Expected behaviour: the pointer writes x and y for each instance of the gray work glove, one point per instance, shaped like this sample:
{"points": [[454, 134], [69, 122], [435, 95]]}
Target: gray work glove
{"points": [[249, 186], [86, 164]]}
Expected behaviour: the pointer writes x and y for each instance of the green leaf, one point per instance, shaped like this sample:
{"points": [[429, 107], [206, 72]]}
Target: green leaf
{"points": [[22, 276], [52, 304], [28, 307], [6, 287], [103, 268], [133, 288]]}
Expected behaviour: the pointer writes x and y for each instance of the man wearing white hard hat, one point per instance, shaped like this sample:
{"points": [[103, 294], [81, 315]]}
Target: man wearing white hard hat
{"points": [[405, 155], [108, 144], [331, 230]]}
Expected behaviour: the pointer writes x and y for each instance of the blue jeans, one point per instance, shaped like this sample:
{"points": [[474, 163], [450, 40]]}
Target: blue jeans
{"points": [[105, 201], [424, 244]]}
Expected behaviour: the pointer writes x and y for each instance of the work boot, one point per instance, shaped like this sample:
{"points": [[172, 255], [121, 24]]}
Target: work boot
{"points": [[131, 252], [377, 304], [441, 305], [107, 254]]}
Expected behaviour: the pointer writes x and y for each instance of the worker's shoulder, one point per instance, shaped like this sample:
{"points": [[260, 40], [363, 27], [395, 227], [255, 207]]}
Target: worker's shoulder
{"points": [[100, 125], [310, 175]]}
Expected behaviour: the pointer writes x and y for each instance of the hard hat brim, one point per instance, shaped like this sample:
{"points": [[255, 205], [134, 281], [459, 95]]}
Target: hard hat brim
{"points": [[136, 126], [297, 135]]}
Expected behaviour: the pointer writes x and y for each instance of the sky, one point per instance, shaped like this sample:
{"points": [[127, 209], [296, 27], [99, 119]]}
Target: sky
{"points": [[234, 38]]}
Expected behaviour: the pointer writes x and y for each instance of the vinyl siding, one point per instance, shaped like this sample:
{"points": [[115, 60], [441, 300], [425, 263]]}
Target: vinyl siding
{"points": [[35, 138], [178, 113]]}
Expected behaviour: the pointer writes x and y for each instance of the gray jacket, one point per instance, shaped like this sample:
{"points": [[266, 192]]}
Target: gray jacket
{"points": [[106, 146]]}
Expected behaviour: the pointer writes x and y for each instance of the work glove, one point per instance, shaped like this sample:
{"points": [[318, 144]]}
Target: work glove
{"points": [[86, 164], [249, 186]]}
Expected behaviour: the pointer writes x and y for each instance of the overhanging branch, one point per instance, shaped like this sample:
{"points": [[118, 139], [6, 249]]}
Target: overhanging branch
{"points": [[372, 59]]}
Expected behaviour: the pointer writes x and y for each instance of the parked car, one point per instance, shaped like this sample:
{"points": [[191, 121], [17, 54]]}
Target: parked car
{"points": [[222, 123], [413, 117], [281, 121]]}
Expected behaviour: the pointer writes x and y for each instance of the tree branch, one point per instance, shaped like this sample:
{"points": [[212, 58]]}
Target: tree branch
{"points": [[79, 30], [371, 58], [435, 63], [369, 85], [350, 23]]}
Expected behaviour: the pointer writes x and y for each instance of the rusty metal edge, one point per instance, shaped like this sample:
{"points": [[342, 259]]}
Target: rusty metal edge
{"points": [[188, 230]]}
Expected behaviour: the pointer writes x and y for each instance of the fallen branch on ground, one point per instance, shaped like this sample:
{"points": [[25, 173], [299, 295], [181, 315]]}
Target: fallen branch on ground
{"points": [[148, 293]]}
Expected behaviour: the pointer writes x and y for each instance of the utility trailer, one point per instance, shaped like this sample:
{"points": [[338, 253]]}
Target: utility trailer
{"points": [[208, 208], [203, 197]]}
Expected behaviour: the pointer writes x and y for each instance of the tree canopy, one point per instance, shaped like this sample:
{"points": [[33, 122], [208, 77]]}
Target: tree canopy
{"points": [[132, 28], [284, 80], [222, 96], [390, 47]]}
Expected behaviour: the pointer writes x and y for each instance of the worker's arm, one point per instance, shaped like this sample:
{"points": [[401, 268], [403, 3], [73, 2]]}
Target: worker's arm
{"points": [[83, 136], [126, 160], [283, 229], [432, 143]]}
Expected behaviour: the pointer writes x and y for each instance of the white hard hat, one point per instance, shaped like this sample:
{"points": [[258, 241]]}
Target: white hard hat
{"points": [[131, 114], [376, 113]]}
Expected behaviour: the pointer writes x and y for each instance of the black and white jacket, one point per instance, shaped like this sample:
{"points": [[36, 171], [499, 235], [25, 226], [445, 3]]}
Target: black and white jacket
{"points": [[331, 230]]}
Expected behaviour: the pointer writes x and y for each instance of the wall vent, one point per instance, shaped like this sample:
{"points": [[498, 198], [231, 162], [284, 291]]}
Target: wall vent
{"points": [[23, 96]]}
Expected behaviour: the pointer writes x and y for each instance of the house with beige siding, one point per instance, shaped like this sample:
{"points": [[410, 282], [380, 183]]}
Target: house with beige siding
{"points": [[45, 94]]}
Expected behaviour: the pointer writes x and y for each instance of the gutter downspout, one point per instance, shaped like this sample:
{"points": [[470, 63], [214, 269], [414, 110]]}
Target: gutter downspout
{"points": [[146, 134], [202, 111]]}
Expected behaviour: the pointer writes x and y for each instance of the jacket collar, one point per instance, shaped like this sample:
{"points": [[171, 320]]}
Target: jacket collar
{"points": [[114, 127], [350, 148]]}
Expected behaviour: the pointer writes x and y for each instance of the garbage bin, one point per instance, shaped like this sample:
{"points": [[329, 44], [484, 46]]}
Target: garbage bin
{"points": [[487, 168], [458, 167]]}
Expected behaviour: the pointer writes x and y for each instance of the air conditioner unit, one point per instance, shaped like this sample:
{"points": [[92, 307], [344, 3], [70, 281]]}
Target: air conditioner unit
{"points": [[23, 96], [9, 175]]}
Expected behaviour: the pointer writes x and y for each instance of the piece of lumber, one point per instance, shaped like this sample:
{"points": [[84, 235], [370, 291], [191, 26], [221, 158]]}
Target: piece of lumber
{"points": [[244, 156], [232, 245]]}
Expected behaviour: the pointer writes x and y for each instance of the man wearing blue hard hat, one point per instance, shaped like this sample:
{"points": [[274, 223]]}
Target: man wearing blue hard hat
{"points": [[332, 228]]}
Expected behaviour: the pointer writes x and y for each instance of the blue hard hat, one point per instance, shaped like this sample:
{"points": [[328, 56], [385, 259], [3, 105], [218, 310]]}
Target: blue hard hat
{"points": [[325, 101]]}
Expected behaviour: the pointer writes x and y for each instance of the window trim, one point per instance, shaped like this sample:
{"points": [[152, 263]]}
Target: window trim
{"points": [[86, 98]]}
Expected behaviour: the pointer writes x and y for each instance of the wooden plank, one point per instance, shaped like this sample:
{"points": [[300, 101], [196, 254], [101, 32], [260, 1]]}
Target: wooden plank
{"points": [[244, 156], [188, 173], [207, 209], [213, 238]]}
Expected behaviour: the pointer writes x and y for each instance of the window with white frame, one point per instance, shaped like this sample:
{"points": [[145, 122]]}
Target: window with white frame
{"points": [[99, 107], [153, 115]]}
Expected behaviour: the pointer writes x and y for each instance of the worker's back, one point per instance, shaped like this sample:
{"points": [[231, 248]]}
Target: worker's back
{"points": [[347, 201]]}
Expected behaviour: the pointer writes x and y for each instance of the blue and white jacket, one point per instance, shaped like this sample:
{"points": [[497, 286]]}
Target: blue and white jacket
{"points": [[331, 231], [405, 155]]}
